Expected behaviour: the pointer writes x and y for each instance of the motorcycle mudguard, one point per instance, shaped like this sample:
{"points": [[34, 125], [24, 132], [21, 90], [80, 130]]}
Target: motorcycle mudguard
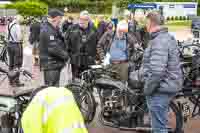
{"points": [[7, 104], [110, 84]]}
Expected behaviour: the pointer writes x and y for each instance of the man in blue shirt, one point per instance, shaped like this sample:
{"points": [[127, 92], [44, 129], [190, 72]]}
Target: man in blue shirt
{"points": [[120, 46]]}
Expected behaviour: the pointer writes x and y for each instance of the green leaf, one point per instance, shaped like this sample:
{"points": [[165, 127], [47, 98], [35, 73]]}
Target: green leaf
{"points": [[29, 8]]}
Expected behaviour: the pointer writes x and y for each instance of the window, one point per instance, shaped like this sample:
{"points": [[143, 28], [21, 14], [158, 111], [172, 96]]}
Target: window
{"points": [[171, 6]]}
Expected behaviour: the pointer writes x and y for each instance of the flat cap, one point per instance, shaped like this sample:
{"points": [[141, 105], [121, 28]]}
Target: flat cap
{"points": [[54, 13]]}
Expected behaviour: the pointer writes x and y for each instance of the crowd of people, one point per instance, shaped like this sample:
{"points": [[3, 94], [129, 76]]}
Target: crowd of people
{"points": [[86, 43]]}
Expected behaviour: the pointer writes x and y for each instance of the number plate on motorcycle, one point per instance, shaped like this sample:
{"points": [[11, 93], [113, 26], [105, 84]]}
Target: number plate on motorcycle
{"points": [[186, 109]]}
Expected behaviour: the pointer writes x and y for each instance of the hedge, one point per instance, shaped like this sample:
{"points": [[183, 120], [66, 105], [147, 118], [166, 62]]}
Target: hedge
{"points": [[177, 18], [29, 8], [198, 11]]}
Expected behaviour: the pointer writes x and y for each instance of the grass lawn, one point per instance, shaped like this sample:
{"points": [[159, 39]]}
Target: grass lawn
{"points": [[178, 25]]}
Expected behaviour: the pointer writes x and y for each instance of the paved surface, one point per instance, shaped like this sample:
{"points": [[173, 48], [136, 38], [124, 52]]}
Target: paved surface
{"points": [[192, 126]]}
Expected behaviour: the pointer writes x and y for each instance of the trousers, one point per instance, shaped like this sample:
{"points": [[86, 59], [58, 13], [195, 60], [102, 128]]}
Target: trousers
{"points": [[77, 70], [122, 70], [15, 53], [52, 77], [158, 106]]}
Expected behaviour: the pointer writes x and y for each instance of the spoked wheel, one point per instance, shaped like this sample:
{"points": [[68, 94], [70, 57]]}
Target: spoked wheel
{"points": [[175, 119], [85, 101], [6, 57], [87, 106]]}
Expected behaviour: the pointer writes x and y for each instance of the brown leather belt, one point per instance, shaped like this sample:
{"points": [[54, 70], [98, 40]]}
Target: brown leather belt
{"points": [[119, 62]]}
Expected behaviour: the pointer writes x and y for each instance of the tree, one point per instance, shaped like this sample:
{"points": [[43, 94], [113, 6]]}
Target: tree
{"points": [[54, 3], [29, 8], [124, 3]]}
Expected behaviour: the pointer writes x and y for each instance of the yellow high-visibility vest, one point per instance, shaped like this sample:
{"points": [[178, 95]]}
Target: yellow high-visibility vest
{"points": [[53, 110], [96, 23]]}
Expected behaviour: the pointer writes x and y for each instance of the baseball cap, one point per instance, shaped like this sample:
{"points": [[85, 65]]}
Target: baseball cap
{"points": [[54, 13]]}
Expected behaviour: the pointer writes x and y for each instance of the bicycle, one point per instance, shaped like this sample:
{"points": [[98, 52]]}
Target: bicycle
{"points": [[27, 76], [4, 53]]}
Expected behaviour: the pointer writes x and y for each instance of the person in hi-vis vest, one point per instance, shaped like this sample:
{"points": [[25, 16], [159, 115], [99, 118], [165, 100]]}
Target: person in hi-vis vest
{"points": [[53, 110]]}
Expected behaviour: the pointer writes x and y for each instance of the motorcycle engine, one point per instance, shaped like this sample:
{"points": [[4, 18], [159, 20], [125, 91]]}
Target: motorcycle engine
{"points": [[116, 110], [112, 104]]}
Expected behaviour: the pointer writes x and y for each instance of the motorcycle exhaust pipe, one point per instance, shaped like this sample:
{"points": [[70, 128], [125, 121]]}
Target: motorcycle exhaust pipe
{"points": [[139, 129]]}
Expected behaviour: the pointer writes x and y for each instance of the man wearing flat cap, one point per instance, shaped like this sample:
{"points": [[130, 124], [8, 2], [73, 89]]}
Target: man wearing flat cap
{"points": [[53, 53]]}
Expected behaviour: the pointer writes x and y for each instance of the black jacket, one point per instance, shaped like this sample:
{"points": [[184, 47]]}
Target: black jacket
{"points": [[81, 45], [34, 32], [53, 53], [65, 26]]}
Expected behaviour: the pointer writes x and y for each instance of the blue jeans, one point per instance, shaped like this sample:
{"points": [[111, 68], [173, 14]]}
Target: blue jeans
{"points": [[158, 106]]}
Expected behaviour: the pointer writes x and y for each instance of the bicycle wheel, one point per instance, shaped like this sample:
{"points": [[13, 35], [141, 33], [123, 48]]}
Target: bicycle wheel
{"points": [[5, 57], [175, 119], [85, 101]]}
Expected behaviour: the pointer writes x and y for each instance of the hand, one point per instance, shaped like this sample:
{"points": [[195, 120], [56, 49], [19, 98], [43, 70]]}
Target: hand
{"points": [[98, 62]]}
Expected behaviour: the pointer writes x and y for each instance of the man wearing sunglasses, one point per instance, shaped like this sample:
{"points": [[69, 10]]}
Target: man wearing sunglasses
{"points": [[162, 72], [81, 40]]}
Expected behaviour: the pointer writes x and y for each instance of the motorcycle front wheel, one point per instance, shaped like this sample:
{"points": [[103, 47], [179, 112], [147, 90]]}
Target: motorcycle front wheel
{"points": [[85, 100]]}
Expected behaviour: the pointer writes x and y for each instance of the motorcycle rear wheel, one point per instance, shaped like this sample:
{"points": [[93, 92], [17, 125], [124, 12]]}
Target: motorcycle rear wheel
{"points": [[175, 119]]}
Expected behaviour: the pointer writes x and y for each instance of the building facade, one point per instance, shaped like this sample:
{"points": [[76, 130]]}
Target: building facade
{"points": [[174, 9], [168, 9], [7, 12]]}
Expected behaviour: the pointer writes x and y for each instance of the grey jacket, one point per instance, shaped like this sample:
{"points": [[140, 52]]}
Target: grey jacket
{"points": [[161, 64]]}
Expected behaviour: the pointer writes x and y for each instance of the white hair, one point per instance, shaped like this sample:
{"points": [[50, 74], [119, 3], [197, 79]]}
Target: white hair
{"points": [[18, 18], [85, 14]]}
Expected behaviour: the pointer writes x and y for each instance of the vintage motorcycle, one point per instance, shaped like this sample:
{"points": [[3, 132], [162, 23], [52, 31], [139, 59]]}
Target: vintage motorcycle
{"points": [[121, 105]]}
